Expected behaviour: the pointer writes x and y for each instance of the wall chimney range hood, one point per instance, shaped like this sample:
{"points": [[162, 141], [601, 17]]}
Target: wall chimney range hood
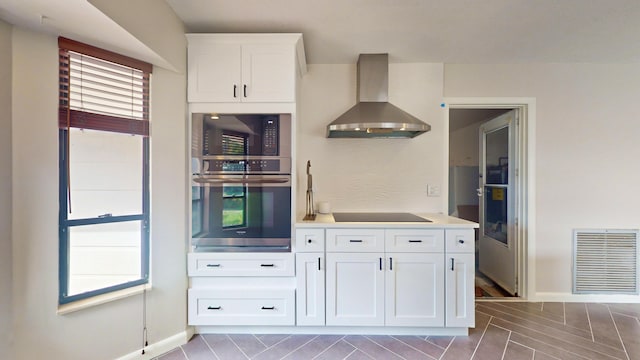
{"points": [[373, 116]]}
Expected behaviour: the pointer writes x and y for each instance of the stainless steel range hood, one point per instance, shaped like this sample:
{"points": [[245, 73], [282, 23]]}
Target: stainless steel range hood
{"points": [[373, 116]]}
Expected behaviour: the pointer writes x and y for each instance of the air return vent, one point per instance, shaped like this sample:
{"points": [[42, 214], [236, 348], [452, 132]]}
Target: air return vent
{"points": [[605, 261]]}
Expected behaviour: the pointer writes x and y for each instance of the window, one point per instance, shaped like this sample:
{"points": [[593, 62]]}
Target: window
{"points": [[104, 171]]}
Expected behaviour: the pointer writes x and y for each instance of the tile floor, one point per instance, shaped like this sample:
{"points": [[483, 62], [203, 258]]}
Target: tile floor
{"points": [[504, 330]]}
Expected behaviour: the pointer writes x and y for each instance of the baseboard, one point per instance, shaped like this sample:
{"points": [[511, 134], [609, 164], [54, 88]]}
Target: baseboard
{"points": [[160, 347], [595, 298]]}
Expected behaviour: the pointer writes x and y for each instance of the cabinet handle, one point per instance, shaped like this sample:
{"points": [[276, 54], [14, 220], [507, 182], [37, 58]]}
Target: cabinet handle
{"points": [[390, 263], [213, 265], [415, 241], [214, 308], [319, 264], [380, 264], [268, 308], [355, 241], [452, 264], [267, 265], [245, 90], [234, 90], [461, 241], [309, 241]]}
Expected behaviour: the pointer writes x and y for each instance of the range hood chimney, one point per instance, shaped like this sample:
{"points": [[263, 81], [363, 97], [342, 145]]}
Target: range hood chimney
{"points": [[373, 116]]}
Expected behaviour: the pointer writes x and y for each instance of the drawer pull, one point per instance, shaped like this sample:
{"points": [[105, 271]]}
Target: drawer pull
{"points": [[461, 241], [309, 241], [355, 241], [214, 308], [213, 265], [268, 308], [267, 265], [415, 241]]}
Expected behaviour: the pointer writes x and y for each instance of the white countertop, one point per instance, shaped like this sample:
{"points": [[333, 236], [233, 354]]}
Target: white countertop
{"points": [[437, 221]]}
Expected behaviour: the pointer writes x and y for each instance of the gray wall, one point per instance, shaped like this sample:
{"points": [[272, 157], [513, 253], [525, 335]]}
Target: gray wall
{"points": [[6, 282], [113, 329], [586, 145]]}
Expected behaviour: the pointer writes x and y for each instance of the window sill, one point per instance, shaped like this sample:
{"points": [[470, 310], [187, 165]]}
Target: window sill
{"points": [[102, 299]]}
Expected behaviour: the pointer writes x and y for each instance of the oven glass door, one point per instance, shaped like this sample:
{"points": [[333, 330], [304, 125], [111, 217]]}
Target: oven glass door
{"points": [[241, 135], [241, 213]]}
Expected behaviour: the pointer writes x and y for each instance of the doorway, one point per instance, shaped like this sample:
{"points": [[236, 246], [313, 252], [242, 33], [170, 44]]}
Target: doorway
{"points": [[469, 125]]}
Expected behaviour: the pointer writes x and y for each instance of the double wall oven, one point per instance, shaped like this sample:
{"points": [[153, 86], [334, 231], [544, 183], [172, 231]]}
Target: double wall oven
{"points": [[241, 182]]}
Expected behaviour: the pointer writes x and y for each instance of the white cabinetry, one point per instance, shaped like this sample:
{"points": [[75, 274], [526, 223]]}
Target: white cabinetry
{"points": [[385, 277], [355, 289], [310, 277], [241, 289], [355, 277], [414, 278], [232, 68], [460, 278]]}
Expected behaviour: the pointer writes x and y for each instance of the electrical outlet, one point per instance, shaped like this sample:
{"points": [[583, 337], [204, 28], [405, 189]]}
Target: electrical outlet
{"points": [[433, 190]]}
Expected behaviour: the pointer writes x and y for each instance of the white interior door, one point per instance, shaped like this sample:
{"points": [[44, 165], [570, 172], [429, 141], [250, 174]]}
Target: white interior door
{"points": [[497, 243]]}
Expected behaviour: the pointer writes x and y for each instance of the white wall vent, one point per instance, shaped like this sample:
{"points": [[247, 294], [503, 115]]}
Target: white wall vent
{"points": [[605, 261]]}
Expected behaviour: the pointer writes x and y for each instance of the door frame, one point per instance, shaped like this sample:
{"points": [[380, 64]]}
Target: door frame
{"points": [[525, 201]]}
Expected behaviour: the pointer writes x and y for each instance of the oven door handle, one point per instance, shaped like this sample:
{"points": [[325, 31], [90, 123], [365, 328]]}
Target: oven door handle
{"points": [[241, 181]]}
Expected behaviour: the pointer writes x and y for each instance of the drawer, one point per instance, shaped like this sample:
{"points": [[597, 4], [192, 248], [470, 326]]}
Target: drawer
{"points": [[355, 240], [414, 240], [233, 306], [309, 240], [460, 240], [241, 264]]}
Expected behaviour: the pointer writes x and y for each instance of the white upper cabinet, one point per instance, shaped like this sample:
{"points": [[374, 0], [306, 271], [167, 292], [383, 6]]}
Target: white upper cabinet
{"points": [[231, 68]]}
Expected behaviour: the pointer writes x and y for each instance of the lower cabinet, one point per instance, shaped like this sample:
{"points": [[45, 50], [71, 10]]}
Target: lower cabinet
{"points": [[310, 289], [414, 293], [460, 290], [355, 289], [232, 306], [423, 278], [241, 289], [373, 290]]}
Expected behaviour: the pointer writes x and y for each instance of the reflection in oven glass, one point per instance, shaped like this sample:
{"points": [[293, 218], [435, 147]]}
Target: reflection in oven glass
{"points": [[234, 205]]}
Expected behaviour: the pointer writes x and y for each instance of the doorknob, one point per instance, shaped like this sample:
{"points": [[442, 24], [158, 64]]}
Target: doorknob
{"points": [[479, 191]]}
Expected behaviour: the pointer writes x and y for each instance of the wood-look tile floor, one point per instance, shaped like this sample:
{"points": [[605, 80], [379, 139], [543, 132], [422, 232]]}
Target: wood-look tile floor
{"points": [[504, 330]]}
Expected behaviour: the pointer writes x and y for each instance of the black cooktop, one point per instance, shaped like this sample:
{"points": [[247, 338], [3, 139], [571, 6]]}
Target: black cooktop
{"points": [[378, 217]]}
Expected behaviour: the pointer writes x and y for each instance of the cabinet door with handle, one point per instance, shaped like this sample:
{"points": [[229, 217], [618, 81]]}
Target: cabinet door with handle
{"points": [[355, 289], [268, 73], [214, 72], [414, 289], [460, 280], [310, 275]]}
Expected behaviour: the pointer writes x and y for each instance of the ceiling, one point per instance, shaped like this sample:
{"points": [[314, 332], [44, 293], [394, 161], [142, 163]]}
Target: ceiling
{"points": [[336, 31], [443, 31]]}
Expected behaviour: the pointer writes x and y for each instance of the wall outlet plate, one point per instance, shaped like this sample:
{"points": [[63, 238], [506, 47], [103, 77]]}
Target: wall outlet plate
{"points": [[433, 190]]}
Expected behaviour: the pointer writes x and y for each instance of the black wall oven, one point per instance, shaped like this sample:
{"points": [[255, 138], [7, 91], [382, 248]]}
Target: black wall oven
{"points": [[241, 182]]}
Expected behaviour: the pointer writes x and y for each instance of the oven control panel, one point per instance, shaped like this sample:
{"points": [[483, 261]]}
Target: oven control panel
{"points": [[280, 166]]}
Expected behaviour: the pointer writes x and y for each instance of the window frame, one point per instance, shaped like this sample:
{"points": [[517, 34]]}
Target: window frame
{"points": [[101, 123]]}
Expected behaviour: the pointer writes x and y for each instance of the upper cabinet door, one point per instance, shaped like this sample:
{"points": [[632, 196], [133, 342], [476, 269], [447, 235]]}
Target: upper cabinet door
{"points": [[231, 72], [215, 73], [268, 73]]}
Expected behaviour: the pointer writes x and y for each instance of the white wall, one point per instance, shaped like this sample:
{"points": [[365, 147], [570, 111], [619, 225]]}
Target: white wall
{"points": [[587, 126], [5, 193], [463, 146], [113, 329], [371, 174]]}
